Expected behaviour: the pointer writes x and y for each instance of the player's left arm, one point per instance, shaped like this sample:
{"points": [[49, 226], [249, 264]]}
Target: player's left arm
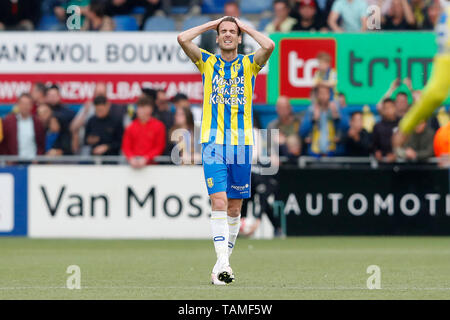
{"points": [[267, 45]]}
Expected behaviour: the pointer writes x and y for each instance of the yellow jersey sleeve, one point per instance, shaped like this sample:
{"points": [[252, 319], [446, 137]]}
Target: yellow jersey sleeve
{"points": [[201, 63], [255, 68]]}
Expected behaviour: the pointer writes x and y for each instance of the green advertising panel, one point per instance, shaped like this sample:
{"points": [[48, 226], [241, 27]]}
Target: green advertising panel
{"points": [[366, 64]]}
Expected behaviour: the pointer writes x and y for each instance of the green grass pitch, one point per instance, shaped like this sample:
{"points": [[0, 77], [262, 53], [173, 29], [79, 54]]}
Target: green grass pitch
{"points": [[293, 268]]}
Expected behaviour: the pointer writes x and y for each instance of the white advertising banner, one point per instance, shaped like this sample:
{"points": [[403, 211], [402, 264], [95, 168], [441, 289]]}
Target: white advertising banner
{"points": [[166, 202], [124, 61], [117, 202], [6, 202], [92, 52]]}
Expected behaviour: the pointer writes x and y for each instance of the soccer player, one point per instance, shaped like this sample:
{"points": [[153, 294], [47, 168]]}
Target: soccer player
{"points": [[438, 86], [227, 127]]}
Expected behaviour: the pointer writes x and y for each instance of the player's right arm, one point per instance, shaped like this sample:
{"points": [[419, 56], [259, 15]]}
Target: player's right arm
{"points": [[186, 37]]}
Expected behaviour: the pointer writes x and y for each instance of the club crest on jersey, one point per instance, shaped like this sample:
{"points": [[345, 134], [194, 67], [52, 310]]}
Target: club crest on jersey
{"points": [[236, 67], [210, 182]]}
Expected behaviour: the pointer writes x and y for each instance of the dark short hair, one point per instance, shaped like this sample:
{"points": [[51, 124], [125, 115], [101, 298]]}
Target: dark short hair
{"points": [[228, 19], [53, 86], [98, 8], [41, 87], [231, 3], [179, 96], [401, 93], [285, 2], [145, 101], [149, 92], [25, 95], [387, 100], [355, 113], [100, 100]]}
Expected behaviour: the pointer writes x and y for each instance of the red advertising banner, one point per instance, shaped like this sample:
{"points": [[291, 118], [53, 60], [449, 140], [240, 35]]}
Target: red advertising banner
{"points": [[298, 63], [122, 88]]}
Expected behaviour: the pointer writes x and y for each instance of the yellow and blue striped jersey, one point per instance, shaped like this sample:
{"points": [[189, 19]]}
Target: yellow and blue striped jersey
{"points": [[227, 98], [443, 29]]}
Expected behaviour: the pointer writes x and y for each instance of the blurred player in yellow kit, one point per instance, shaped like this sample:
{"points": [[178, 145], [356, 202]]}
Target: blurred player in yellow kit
{"points": [[438, 86]]}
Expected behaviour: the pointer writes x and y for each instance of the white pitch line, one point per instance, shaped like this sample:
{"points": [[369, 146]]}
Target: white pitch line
{"points": [[208, 287]]}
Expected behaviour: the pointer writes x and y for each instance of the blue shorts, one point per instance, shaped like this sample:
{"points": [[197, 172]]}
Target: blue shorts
{"points": [[227, 168]]}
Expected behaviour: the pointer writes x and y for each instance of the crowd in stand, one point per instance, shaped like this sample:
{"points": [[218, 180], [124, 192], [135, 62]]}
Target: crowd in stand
{"points": [[288, 15], [40, 124], [327, 129]]}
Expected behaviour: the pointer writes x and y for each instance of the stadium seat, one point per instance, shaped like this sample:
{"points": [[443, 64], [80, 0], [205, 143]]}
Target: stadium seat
{"points": [[159, 24], [179, 10], [194, 21], [213, 6], [125, 23], [49, 23], [255, 6], [263, 23]]}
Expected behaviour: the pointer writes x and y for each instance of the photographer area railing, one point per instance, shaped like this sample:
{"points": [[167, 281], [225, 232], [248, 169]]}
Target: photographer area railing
{"points": [[303, 161]]}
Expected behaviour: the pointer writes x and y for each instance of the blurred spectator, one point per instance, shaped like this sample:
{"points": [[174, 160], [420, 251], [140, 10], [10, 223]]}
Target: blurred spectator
{"points": [[292, 149], [341, 100], [152, 7], [320, 126], [44, 113], [180, 100], [419, 146], [383, 130], [58, 138], [119, 7], [145, 137], [185, 142], [308, 17], [281, 22], [1, 132], [231, 8], [368, 118], [163, 112], [399, 17], [53, 99], [357, 142], [19, 14], [353, 14], [38, 92], [441, 142], [432, 15], [401, 104], [287, 122], [97, 20], [323, 9], [401, 98], [419, 9], [23, 134], [325, 74], [103, 131]]}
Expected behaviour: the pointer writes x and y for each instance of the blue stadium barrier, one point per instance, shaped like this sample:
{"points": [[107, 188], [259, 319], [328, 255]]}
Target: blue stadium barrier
{"points": [[159, 24], [255, 6], [125, 23], [194, 21], [213, 6]]}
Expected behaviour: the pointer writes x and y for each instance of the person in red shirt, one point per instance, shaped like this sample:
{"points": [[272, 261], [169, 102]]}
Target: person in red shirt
{"points": [[145, 137]]}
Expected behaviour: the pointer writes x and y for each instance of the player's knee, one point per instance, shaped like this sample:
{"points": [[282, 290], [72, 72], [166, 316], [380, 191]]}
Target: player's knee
{"points": [[234, 211], [219, 204]]}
